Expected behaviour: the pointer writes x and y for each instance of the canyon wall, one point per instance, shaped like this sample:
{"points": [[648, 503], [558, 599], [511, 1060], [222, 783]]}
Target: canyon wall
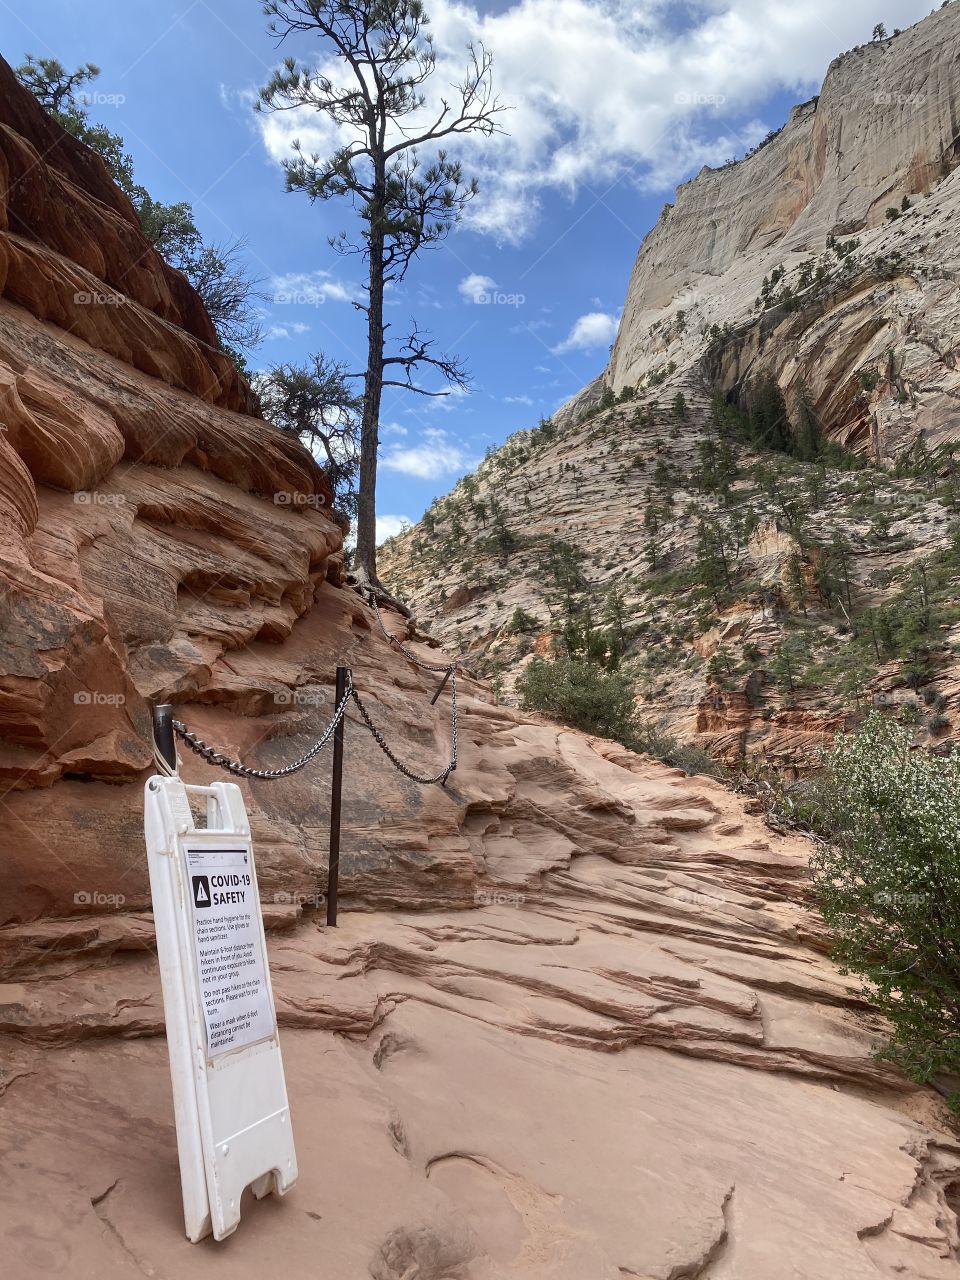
{"points": [[829, 259], [885, 125]]}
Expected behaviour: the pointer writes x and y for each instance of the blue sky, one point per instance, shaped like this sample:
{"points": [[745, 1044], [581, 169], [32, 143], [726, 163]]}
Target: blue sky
{"points": [[612, 104]]}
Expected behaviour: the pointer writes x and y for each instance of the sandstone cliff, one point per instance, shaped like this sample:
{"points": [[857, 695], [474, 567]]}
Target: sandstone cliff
{"points": [[886, 125], [787, 263], [577, 1020]]}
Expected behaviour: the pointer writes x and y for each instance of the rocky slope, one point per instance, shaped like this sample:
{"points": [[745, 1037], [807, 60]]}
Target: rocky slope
{"points": [[786, 264], [577, 1019]]}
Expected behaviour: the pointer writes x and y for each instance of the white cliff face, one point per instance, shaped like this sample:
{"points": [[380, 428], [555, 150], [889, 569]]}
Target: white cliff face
{"points": [[886, 125]]}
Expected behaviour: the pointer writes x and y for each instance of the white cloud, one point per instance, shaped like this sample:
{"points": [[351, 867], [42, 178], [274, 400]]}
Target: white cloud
{"points": [[606, 89], [452, 398], [517, 400], [392, 429], [279, 332], [437, 455], [596, 329], [311, 289], [390, 526], [476, 288]]}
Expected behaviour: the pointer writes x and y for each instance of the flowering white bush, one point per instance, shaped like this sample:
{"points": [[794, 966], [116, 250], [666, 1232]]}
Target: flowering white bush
{"points": [[889, 883]]}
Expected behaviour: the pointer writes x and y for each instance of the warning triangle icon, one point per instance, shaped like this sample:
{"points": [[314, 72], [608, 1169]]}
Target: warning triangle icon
{"points": [[201, 891]]}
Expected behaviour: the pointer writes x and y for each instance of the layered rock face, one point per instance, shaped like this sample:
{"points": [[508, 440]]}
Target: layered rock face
{"points": [[784, 264], [886, 125], [577, 1019]]}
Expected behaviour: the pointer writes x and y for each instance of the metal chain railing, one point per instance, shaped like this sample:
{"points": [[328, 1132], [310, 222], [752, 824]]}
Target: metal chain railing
{"points": [[449, 670], [241, 770], [212, 756], [166, 730], [449, 667], [407, 772]]}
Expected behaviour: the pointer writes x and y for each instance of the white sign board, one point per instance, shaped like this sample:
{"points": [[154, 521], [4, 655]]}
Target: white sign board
{"points": [[229, 1094], [234, 986]]}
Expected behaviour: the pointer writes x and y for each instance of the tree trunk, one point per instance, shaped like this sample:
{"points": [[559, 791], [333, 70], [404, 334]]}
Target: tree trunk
{"points": [[366, 553]]}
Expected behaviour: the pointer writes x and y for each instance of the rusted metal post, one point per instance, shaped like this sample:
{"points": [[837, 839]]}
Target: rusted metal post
{"points": [[163, 734], [443, 684], [336, 788]]}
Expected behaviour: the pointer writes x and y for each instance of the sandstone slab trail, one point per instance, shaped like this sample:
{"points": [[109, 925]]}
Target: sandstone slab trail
{"points": [[577, 1021], [629, 1058]]}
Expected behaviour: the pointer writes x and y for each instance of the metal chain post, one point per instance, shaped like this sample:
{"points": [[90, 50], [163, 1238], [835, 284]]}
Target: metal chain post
{"points": [[344, 682], [166, 729], [164, 743]]}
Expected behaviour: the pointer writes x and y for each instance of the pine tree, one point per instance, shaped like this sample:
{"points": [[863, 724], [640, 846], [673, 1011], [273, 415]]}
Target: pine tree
{"points": [[711, 566], [384, 58], [315, 403], [788, 662], [809, 433], [615, 616], [767, 418], [836, 562], [795, 581]]}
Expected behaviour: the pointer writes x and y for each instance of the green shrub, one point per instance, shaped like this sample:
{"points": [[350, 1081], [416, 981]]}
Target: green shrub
{"points": [[889, 889], [591, 698], [658, 742], [581, 694], [521, 621]]}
